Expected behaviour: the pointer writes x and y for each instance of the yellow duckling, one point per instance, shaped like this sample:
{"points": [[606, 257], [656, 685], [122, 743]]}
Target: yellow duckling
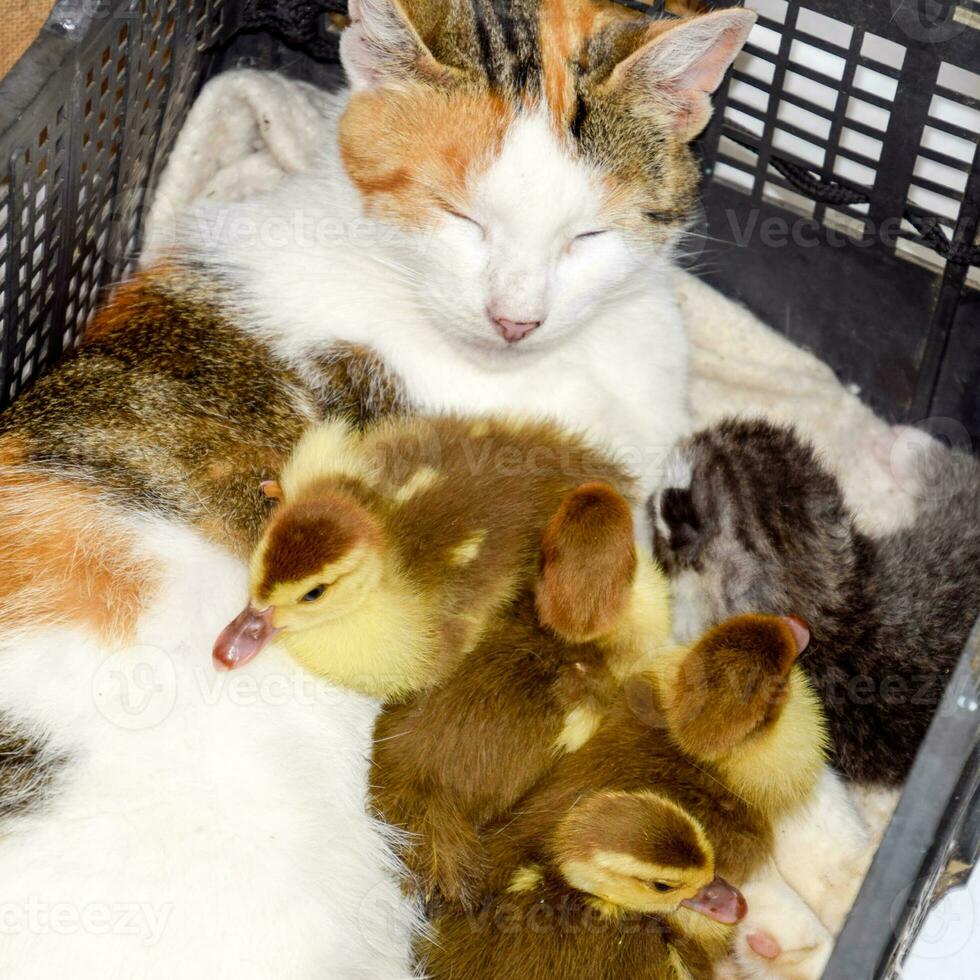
{"points": [[391, 550]]}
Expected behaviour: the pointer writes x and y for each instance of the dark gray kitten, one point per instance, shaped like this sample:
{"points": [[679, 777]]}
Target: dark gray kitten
{"points": [[750, 521]]}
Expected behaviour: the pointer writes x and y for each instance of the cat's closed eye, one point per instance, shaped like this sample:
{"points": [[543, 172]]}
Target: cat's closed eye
{"points": [[590, 234], [464, 217]]}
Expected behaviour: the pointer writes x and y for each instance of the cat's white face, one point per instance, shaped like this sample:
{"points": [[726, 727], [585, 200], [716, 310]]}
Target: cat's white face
{"points": [[532, 258], [536, 156]]}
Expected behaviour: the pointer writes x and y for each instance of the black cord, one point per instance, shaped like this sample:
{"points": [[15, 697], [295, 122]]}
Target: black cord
{"points": [[835, 192], [300, 23], [932, 233], [806, 181]]}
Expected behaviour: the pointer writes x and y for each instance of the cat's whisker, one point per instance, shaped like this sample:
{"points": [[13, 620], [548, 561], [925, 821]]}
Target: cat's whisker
{"points": [[403, 272]]}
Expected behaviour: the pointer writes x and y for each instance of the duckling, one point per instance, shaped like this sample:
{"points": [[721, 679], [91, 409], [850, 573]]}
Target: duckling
{"points": [[433, 563], [729, 728], [758, 732], [456, 756], [390, 550], [617, 888], [612, 865]]}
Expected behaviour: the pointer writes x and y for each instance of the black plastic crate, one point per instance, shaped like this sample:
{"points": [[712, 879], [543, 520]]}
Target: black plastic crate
{"points": [[884, 288], [881, 286], [87, 119]]}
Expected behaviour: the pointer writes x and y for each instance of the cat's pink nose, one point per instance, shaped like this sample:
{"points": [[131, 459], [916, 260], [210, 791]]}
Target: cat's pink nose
{"points": [[514, 330]]}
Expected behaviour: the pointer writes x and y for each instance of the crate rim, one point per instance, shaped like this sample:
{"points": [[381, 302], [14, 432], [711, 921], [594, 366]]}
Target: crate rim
{"points": [[919, 842], [66, 27]]}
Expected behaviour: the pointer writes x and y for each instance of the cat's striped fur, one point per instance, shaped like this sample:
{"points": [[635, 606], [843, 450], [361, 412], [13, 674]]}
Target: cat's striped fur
{"points": [[757, 522], [128, 483], [467, 68]]}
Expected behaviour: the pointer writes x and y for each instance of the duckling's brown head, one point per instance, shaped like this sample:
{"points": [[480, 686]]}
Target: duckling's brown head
{"points": [[641, 852], [318, 561]]}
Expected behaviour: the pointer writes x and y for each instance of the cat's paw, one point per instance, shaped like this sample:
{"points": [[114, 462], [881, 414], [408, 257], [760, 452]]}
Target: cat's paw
{"points": [[876, 807], [780, 937], [760, 956], [834, 891], [823, 850]]}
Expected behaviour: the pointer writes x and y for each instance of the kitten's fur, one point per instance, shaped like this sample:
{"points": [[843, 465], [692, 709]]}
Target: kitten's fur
{"points": [[753, 521], [525, 159]]}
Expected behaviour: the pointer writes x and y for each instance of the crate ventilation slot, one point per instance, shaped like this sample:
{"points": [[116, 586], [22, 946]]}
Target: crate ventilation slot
{"points": [[806, 112], [930, 228], [73, 189]]}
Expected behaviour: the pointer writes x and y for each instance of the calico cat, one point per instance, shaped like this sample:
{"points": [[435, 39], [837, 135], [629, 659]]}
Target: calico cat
{"points": [[135, 785], [751, 520], [498, 211], [484, 149]]}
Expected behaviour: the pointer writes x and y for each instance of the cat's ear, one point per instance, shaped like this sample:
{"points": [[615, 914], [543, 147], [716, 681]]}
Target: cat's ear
{"points": [[382, 47], [683, 65]]}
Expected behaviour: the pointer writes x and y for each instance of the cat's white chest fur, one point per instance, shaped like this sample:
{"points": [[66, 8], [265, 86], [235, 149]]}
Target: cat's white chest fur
{"points": [[204, 824], [625, 388], [620, 377]]}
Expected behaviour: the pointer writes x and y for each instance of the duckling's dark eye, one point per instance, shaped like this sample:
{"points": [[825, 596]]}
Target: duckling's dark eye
{"points": [[314, 594], [662, 886]]}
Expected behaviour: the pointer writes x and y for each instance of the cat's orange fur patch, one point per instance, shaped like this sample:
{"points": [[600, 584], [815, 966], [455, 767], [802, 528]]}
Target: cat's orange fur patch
{"points": [[128, 301], [565, 26], [411, 152], [62, 561], [412, 149], [562, 36], [12, 451]]}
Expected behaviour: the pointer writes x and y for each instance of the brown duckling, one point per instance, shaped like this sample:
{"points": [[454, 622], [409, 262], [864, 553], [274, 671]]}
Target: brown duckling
{"points": [[610, 865], [457, 755], [431, 561], [614, 894]]}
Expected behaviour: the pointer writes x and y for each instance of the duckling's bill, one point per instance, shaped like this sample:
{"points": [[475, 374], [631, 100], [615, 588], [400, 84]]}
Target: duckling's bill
{"points": [[244, 637], [719, 901]]}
